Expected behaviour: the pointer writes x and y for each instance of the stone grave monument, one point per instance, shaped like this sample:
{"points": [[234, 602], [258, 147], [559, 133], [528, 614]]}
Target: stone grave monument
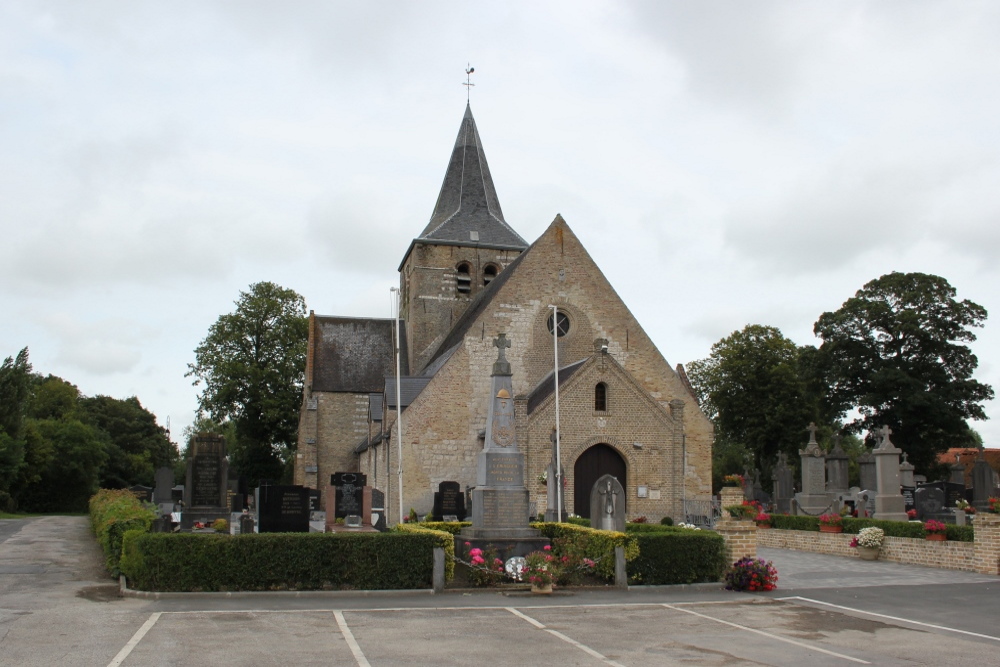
{"points": [[205, 490], [784, 485], [282, 509], [907, 485], [552, 495], [866, 470], [889, 503], [607, 504], [813, 499], [929, 501], [449, 501], [836, 467], [344, 497], [500, 499], [984, 482], [143, 493], [373, 505]]}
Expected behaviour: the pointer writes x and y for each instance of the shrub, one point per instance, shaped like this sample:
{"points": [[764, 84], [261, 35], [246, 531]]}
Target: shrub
{"points": [[578, 521], [452, 527], [279, 561], [788, 522], [597, 545], [113, 512], [485, 568], [751, 574], [666, 521], [650, 528], [444, 539], [220, 526], [961, 533], [678, 556], [890, 528]]}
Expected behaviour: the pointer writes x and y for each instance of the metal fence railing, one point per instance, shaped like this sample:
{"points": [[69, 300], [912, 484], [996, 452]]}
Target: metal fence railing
{"points": [[702, 513]]}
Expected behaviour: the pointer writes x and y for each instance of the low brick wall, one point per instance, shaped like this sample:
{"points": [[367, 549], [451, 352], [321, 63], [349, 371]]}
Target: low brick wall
{"points": [[945, 555]]}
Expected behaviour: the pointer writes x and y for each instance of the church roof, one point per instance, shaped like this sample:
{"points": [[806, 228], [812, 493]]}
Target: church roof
{"points": [[546, 387], [354, 353], [409, 388], [467, 211]]}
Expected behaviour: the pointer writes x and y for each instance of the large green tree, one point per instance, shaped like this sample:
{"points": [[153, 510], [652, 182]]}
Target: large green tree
{"points": [[137, 445], [752, 389], [15, 392], [894, 352], [252, 365]]}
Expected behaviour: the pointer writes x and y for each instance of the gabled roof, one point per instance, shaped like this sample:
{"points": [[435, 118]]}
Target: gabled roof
{"points": [[409, 388], [375, 407], [467, 209], [354, 354], [546, 386]]}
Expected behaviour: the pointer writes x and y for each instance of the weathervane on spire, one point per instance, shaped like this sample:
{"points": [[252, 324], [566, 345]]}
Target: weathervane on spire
{"points": [[468, 80]]}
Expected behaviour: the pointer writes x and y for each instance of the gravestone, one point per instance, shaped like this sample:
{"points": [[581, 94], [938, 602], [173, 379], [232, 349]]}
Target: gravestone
{"points": [[836, 467], [206, 493], [866, 470], [500, 500], [866, 504], [282, 509], [449, 500], [929, 501], [889, 505], [377, 516], [143, 493], [163, 485], [784, 485], [984, 482], [813, 499], [348, 494], [607, 504]]}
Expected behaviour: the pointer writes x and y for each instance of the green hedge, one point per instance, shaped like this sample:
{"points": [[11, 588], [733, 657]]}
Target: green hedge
{"points": [[444, 533], [654, 528], [112, 514], [682, 556], [578, 521], [787, 522], [598, 545], [853, 526], [279, 561]]}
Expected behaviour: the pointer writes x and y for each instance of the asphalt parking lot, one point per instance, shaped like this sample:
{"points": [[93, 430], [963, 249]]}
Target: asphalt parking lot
{"points": [[58, 608]]}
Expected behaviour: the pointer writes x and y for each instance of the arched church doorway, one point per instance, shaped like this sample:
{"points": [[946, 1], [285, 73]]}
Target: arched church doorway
{"points": [[595, 462]]}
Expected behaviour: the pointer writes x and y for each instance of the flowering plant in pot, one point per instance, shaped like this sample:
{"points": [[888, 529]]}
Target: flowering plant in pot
{"points": [[994, 504], [868, 542], [541, 569], [831, 523], [965, 506], [935, 530], [763, 519], [751, 574], [732, 480], [911, 514]]}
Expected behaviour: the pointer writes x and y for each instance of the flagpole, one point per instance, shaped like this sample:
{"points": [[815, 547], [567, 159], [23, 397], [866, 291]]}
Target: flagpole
{"points": [[399, 409], [555, 379]]}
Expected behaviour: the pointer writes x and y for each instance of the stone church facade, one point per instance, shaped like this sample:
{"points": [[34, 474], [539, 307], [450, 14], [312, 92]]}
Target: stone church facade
{"points": [[467, 278]]}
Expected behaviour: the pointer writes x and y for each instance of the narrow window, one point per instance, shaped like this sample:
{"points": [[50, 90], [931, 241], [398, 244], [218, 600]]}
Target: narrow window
{"points": [[489, 273], [601, 397], [463, 281]]}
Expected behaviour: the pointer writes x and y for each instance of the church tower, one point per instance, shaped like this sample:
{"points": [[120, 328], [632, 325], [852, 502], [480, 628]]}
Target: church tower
{"points": [[463, 248]]}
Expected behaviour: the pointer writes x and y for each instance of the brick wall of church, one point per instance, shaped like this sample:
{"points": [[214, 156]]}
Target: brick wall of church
{"points": [[338, 423], [630, 419]]}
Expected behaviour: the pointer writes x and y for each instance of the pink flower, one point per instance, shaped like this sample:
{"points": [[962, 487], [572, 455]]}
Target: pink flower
{"points": [[476, 552], [547, 547], [468, 544]]}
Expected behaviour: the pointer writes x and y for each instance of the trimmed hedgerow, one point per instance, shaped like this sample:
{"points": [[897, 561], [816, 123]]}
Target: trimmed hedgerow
{"points": [[891, 528], [960, 533], [444, 533], [653, 528], [680, 556], [787, 522], [279, 561], [578, 521], [598, 545], [113, 512]]}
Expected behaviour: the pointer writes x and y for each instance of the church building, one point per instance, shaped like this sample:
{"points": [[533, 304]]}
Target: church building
{"points": [[467, 278]]}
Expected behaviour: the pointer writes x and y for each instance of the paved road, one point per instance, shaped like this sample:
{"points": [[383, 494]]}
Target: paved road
{"points": [[57, 607]]}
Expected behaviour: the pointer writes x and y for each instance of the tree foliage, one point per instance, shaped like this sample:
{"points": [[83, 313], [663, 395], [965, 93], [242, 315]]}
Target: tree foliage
{"points": [[136, 445], [894, 351], [751, 388], [252, 366]]}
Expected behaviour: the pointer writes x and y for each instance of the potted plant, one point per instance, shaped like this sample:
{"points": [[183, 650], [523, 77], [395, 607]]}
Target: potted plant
{"points": [[751, 574], [994, 505], [868, 542], [745, 511], [911, 515], [965, 506], [732, 480], [935, 530], [763, 519], [831, 523], [541, 569]]}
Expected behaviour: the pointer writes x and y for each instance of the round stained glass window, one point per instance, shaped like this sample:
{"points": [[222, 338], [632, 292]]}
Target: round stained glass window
{"points": [[562, 324]]}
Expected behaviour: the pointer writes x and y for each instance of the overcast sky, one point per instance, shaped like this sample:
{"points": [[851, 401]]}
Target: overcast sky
{"points": [[725, 163]]}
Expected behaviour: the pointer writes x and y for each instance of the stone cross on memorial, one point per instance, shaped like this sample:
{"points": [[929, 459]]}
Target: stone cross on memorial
{"points": [[889, 503]]}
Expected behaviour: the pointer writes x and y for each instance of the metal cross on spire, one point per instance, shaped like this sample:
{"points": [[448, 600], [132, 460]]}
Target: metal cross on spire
{"points": [[468, 80]]}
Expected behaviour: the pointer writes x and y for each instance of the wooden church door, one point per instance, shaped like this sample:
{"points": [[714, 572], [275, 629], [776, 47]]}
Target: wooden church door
{"points": [[595, 462]]}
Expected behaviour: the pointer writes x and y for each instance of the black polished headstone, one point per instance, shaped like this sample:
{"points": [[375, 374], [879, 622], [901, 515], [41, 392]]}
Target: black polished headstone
{"points": [[282, 509], [143, 493], [349, 495], [909, 501], [378, 517], [449, 500]]}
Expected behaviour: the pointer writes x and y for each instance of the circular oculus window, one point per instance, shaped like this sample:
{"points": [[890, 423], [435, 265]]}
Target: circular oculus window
{"points": [[561, 324]]}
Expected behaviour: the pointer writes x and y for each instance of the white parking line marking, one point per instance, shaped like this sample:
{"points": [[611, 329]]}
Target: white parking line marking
{"points": [[136, 638], [568, 640], [768, 634], [893, 618], [589, 605], [349, 638]]}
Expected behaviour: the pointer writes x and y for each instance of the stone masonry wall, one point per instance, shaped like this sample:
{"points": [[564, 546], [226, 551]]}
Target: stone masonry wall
{"points": [[328, 436]]}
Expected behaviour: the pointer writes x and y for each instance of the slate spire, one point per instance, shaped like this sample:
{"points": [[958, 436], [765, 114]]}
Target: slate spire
{"points": [[467, 211]]}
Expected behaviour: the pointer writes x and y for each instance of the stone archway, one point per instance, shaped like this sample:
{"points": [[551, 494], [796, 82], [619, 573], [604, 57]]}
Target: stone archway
{"points": [[601, 459]]}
